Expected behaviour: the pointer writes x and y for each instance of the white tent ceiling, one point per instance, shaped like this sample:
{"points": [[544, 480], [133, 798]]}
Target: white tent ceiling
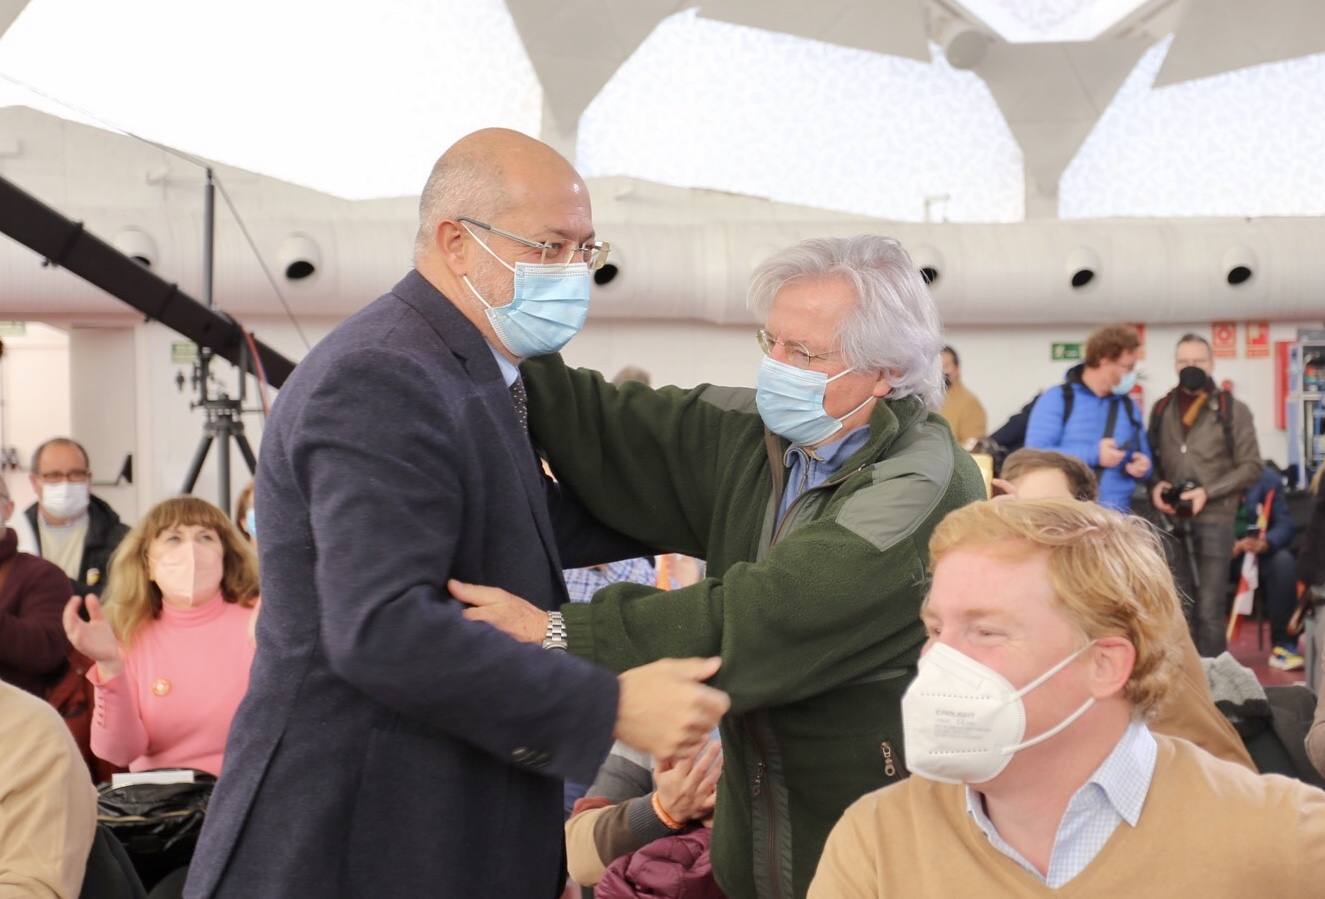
{"points": [[357, 101]]}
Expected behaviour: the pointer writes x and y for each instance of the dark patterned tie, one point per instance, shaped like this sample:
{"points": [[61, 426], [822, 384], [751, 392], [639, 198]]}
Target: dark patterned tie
{"points": [[520, 400]]}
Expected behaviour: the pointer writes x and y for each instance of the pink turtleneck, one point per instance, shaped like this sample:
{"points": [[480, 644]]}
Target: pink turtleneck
{"points": [[183, 678]]}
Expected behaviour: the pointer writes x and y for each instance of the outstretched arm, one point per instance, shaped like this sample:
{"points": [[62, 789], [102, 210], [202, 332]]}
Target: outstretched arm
{"points": [[646, 463]]}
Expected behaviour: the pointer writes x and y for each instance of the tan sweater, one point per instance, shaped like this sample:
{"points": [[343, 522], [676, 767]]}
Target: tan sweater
{"points": [[48, 806], [1208, 829], [964, 414], [1189, 711]]}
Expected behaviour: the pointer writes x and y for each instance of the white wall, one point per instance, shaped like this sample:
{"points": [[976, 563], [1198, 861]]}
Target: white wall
{"points": [[169, 431], [34, 388], [1005, 367], [103, 408], [127, 397], [673, 352]]}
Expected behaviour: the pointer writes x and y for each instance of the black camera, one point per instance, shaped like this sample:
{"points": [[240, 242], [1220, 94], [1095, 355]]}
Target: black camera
{"points": [[1173, 497]]}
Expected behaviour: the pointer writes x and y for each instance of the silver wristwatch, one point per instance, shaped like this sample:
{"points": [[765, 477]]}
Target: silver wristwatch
{"points": [[555, 635]]}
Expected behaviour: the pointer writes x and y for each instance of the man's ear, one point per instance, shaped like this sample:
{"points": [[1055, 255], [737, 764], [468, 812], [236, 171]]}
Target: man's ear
{"points": [[1111, 666], [883, 386], [451, 245]]}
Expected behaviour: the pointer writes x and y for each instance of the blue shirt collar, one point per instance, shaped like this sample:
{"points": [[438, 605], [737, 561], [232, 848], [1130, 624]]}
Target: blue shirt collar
{"points": [[509, 370], [1126, 774], [1124, 777], [830, 455]]}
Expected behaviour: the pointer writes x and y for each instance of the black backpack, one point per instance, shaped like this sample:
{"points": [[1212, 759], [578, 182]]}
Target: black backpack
{"points": [[1012, 436]]}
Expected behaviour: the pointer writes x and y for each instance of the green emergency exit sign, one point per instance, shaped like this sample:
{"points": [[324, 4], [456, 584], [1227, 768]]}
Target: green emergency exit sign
{"points": [[1066, 352]]}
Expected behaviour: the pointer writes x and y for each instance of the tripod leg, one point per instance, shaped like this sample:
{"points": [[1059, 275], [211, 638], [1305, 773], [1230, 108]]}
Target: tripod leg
{"points": [[223, 469], [195, 467], [1190, 545], [247, 452]]}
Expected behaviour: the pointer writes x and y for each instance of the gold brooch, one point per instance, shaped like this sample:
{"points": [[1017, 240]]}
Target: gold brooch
{"points": [[160, 687]]}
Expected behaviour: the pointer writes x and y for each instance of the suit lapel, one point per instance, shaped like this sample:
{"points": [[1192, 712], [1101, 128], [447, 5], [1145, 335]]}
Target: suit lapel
{"points": [[497, 399], [468, 345]]}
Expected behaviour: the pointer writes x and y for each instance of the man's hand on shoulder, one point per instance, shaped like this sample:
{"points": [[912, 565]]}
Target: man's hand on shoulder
{"points": [[505, 611]]}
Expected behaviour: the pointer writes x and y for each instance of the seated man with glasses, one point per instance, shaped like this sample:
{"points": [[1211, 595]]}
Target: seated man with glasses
{"points": [[811, 498], [75, 530]]}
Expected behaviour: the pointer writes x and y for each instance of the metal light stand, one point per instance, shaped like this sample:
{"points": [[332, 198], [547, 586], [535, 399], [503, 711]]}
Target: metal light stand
{"points": [[224, 420]]}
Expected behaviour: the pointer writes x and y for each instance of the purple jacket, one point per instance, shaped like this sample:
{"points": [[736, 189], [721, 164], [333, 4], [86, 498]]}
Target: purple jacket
{"points": [[674, 867], [32, 642]]}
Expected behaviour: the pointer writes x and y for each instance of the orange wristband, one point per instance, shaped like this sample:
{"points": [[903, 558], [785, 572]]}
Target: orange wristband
{"points": [[665, 818]]}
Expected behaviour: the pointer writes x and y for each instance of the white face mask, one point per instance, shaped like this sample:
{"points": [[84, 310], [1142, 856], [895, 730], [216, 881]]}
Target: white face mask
{"points": [[64, 500], [963, 721]]}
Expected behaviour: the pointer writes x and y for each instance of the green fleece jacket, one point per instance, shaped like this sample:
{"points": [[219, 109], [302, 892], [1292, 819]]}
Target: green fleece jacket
{"points": [[816, 620]]}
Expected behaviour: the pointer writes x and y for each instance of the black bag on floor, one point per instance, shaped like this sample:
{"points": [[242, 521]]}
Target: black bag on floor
{"points": [[158, 824]]}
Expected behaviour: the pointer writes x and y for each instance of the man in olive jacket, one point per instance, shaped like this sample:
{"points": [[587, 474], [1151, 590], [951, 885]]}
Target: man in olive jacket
{"points": [[1202, 435], [813, 499]]}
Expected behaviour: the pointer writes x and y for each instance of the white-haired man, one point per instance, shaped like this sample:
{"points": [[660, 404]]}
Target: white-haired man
{"points": [[811, 497], [1033, 770]]}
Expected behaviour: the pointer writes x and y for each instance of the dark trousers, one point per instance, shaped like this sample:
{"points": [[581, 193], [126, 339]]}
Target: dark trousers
{"points": [[1279, 575], [1204, 553]]}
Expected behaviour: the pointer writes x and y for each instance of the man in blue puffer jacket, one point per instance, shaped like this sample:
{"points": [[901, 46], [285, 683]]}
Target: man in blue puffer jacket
{"points": [[1090, 416]]}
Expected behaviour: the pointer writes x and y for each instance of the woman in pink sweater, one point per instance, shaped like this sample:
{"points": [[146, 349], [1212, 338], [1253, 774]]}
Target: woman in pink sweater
{"points": [[172, 646]]}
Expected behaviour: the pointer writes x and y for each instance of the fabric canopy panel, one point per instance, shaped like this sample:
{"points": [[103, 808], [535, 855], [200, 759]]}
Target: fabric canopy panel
{"points": [[891, 27], [1244, 143], [709, 104], [1216, 36], [1052, 95], [9, 10], [576, 46]]}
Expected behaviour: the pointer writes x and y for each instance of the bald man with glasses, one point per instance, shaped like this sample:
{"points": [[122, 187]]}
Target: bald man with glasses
{"points": [[74, 530]]}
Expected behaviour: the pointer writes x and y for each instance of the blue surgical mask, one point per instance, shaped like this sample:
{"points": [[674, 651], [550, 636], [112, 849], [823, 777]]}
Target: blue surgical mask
{"points": [[550, 305], [251, 522], [791, 402], [1124, 387]]}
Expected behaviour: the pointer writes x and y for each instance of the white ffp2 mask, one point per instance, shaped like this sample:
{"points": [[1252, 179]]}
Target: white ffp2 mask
{"points": [[963, 721]]}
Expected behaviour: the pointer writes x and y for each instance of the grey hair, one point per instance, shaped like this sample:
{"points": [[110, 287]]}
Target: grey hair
{"points": [[894, 327], [461, 183]]}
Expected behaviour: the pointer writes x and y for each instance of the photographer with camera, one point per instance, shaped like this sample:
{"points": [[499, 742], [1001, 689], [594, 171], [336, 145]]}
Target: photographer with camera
{"points": [[1206, 454]]}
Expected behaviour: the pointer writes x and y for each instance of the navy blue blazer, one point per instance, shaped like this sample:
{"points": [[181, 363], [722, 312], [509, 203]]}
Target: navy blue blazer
{"points": [[387, 746]]}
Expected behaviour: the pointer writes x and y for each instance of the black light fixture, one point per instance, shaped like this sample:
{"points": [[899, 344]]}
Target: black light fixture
{"points": [[299, 257], [1083, 264], [137, 245], [612, 269], [1239, 265], [930, 263]]}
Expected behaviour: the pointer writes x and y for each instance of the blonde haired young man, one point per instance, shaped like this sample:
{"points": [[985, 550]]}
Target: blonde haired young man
{"points": [[1033, 771]]}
